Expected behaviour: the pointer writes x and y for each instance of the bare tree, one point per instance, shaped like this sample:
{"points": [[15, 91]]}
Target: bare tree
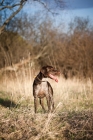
{"points": [[15, 7], [8, 4]]}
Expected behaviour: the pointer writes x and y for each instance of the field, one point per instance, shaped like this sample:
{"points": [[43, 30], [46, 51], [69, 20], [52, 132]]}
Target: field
{"points": [[72, 118]]}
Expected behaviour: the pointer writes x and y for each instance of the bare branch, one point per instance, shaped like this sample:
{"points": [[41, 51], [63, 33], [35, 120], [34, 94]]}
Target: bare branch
{"points": [[9, 7], [58, 3], [4, 5], [1, 2], [21, 4]]}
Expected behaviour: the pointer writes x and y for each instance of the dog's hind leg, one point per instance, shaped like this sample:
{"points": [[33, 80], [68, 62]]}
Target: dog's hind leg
{"points": [[42, 104], [48, 103]]}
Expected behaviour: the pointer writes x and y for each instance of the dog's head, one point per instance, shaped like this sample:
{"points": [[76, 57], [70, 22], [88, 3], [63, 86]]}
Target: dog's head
{"points": [[50, 72]]}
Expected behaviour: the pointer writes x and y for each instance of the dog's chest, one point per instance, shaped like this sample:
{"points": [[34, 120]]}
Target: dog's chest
{"points": [[42, 89]]}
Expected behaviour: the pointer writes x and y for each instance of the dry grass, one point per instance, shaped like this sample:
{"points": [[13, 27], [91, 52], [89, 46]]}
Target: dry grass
{"points": [[71, 119]]}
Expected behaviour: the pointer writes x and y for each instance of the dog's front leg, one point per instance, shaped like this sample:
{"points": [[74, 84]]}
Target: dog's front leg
{"points": [[52, 103], [35, 104]]}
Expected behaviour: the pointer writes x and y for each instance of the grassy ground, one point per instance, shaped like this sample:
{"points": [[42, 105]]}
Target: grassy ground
{"points": [[72, 118]]}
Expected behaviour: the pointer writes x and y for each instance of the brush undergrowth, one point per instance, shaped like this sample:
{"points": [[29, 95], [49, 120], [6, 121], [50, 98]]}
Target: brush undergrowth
{"points": [[72, 118]]}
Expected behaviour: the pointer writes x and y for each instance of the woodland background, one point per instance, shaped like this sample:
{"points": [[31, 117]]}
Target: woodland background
{"points": [[35, 36], [47, 44]]}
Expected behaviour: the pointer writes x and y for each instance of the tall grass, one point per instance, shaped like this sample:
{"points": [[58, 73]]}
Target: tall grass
{"points": [[72, 93]]}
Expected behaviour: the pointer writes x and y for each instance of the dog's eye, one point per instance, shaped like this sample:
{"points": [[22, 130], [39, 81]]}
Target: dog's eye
{"points": [[48, 69]]}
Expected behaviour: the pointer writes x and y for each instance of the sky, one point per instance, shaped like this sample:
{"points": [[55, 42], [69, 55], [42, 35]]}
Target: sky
{"points": [[79, 8], [80, 4]]}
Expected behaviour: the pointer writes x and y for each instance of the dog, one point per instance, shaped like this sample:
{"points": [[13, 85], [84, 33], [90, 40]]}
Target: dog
{"points": [[43, 88]]}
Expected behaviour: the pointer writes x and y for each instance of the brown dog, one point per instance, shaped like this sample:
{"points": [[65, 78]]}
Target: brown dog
{"points": [[43, 89]]}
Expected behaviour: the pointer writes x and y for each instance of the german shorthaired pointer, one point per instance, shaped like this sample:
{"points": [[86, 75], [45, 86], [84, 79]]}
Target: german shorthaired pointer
{"points": [[43, 89]]}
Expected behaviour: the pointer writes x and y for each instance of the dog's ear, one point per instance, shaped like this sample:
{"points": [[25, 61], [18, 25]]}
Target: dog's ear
{"points": [[46, 69], [43, 70]]}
